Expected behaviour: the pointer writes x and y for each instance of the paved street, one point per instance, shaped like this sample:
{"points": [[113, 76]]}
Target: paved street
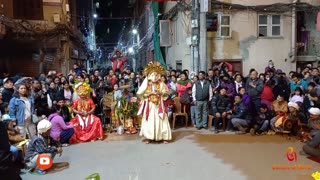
{"points": [[192, 156]]}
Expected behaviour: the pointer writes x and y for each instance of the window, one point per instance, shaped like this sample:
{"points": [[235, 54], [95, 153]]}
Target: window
{"points": [[28, 9], [270, 26], [219, 23]]}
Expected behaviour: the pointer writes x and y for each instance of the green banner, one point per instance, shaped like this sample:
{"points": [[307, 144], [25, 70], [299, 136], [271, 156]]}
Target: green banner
{"points": [[156, 40]]}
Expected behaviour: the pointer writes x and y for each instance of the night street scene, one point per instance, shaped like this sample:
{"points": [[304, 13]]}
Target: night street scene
{"points": [[160, 89]]}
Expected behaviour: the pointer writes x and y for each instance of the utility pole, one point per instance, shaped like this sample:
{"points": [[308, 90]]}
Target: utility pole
{"points": [[204, 6], [195, 35]]}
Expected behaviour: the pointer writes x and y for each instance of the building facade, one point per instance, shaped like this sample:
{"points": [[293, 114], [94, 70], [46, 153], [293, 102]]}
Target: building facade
{"points": [[43, 35], [248, 34]]}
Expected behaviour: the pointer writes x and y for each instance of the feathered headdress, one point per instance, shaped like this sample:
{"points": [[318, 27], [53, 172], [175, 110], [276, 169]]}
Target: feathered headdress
{"points": [[153, 66], [82, 88]]}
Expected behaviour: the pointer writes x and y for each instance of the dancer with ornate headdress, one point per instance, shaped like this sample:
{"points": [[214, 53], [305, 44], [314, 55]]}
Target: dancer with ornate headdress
{"points": [[90, 126], [153, 92]]}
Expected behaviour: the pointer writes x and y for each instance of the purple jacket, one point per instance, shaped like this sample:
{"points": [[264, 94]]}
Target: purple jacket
{"points": [[230, 86], [58, 125], [246, 100]]}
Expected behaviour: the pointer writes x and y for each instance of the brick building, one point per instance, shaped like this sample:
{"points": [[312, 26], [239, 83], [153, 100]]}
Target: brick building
{"points": [[41, 35]]}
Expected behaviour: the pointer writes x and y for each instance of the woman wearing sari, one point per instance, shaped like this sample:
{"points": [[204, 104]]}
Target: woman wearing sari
{"points": [[90, 126]]}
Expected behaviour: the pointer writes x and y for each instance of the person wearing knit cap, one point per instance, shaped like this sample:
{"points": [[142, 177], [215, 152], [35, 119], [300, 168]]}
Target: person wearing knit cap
{"points": [[312, 146], [39, 144], [298, 118]]}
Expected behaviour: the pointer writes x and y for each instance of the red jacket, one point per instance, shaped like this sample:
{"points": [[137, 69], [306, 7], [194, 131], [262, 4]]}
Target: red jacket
{"points": [[122, 61], [267, 93]]}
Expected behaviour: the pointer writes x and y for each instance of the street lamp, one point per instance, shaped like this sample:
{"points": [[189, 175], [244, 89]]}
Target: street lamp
{"points": [[95, 15], [130, 50], [134, 31]]}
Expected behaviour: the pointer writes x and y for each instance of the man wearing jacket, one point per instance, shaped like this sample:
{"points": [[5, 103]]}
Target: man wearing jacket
{"points": [[220, 105], [262, 121], [239, 115], [254, 87], [201, 94], [8, 90]]}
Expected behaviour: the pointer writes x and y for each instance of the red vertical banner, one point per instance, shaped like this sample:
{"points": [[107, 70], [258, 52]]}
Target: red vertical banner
{"points": [[318, 22]]}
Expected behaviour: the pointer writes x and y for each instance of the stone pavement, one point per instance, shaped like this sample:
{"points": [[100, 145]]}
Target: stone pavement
{"points": [[193, 155]]}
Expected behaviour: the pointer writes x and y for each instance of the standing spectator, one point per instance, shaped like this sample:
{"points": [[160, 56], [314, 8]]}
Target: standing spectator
{"points": [[238, 82], [297, 81], [183, 84], [77, 69], [245, 97], [8, 90], [67, 91], [270, 67], [201, 93], [254, 87], [228, 85], [282, 88], [267, 95], [21, 108], [118, 61], [214, 80]]}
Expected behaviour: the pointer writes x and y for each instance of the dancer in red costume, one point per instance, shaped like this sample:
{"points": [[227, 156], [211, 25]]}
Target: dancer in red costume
{"points": [[90, 126]]}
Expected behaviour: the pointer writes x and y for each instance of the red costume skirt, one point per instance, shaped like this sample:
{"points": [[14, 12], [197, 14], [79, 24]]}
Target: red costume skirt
{"points": [[92, 130]]}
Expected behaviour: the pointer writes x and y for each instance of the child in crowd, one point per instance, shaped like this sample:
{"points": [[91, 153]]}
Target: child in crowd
{"points": [[69, 105], [40, 144], [298, 96], [262, 121]]}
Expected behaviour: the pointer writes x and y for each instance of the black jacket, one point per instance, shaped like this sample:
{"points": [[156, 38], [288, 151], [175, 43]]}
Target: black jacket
{"points": [[7, 94], [220, 104]]}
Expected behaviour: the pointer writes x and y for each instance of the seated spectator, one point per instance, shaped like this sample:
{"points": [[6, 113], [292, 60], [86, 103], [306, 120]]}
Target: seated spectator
{"points": [[312, 145], [311, 98], [296, 116], [8, 170], [239, 117], [60, 132], [15, 138], [220, 105], [261, 123], [280, 107], [38, 145], [298, 96]]}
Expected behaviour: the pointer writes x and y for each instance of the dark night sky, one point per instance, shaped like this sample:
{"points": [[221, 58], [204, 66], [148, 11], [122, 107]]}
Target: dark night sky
{"points": [[118, 8]]}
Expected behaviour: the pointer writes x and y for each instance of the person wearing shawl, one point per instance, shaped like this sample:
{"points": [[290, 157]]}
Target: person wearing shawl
{"points": [[90, 126], [183, 84], [153, 92]]}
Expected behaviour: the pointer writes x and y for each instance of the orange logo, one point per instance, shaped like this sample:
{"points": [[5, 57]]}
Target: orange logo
{"points": [[44, 161], [291, 154]]}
